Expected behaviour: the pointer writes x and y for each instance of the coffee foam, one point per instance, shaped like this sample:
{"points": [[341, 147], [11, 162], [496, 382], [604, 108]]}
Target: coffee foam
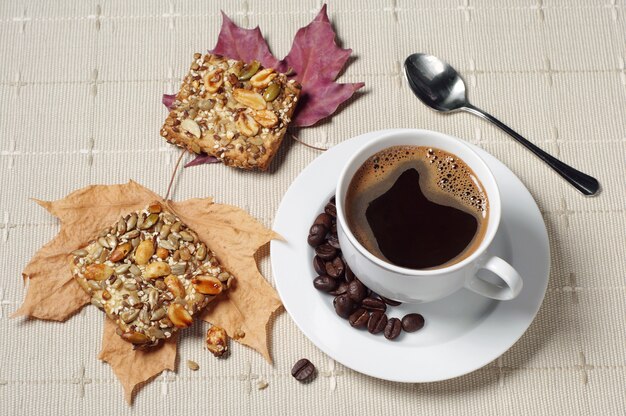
{"points": [[444, 179], [452, 177]]}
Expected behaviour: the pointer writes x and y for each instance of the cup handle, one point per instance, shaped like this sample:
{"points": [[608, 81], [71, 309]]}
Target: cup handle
{"points": [[508, 275]]}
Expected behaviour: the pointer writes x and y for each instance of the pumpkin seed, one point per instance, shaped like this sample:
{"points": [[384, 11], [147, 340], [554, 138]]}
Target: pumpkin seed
{"points": [[186, 236], [249, 70], [150, 221], [271, 92]]}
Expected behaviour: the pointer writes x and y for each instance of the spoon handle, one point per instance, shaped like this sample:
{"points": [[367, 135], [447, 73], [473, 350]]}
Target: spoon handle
{"points": [[581, 181]]}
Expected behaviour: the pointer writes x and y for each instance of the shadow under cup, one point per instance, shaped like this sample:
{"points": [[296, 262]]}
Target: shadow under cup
{"points": [[400, 283]]}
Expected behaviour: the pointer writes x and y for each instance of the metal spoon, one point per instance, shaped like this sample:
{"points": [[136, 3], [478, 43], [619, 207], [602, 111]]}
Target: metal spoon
{"points": [[439, 86]]}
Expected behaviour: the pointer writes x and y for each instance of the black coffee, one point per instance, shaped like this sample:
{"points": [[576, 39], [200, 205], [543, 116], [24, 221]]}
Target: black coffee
{"points": [[417, 207]]}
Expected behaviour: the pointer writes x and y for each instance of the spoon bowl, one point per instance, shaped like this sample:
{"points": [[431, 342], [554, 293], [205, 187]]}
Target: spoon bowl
{"points": [[439, 86], [434, 82]]}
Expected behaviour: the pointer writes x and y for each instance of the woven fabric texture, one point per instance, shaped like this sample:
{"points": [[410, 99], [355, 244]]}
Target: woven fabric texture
{"points": [[80, 89]]}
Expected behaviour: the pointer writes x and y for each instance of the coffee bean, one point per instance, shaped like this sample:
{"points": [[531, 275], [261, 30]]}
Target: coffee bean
{"points": [[374, 304], [393, 328], [335, 268], [412, 322], [377, 322], [390, 302], [357, 290], [319, 265], [359, 318], [344, 306], [331, 209], [317, 235], [341, 289], [333, 240], [333, 228], [326, 252], [349, 275], [325, 283], [303, 370], [325, 220]]}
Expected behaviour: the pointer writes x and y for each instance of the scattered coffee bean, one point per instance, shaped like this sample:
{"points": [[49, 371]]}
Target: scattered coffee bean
{"points": [[317, 235], [393, 328], [331, 209], [390, 302], [341, 289], [335, 268], [344, 306], [357, 290], [374, 304], [333, 240], [326, 252], [377, 322], [325, 283], [359, 318], [412, 322], [303, 370], [319, 265], [325, 220], [349, 275]]}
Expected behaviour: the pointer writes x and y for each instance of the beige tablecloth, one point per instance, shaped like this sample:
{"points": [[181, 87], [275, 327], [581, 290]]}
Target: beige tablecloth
{"points": [[80, 88]]}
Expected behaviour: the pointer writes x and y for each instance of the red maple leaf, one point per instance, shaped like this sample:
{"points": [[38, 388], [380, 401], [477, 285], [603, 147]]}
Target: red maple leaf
{"points": [[315, 60]]}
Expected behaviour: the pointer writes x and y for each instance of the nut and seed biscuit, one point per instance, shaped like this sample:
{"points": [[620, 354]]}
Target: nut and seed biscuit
{"points": [[235, 111], [150, 274]]}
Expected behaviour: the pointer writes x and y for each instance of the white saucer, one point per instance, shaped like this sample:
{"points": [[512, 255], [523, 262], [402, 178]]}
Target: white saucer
{"points": [[463, 332]]}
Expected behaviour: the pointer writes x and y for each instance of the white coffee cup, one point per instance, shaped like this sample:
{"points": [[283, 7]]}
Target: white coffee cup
{"points": [[417, 286]]}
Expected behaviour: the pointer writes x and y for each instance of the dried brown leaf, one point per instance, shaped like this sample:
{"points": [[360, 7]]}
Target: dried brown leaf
{"points": [[229, 231], [133, 367]]}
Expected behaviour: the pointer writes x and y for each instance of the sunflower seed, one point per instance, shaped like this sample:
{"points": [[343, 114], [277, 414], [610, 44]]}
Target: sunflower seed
{"points": [[158, 314], [135, 242], [130, 286], [80, 253], [93, 284], [96, 303], [130, 315], [153, 297], [144, 316], [112, 241], [122, 269], [131, 222], [136, 271], [140, 219], [193, 366], [224, 276], [179, 268], [166, 244], [165, 231], [130, 235], [201, 253], [172, 239], [121, 226], [176, 226], [103, 242]]}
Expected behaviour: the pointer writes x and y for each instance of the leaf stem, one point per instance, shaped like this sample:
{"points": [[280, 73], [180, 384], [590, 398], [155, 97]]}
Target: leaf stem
{"points": [[308, 145], [169, 187]]}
